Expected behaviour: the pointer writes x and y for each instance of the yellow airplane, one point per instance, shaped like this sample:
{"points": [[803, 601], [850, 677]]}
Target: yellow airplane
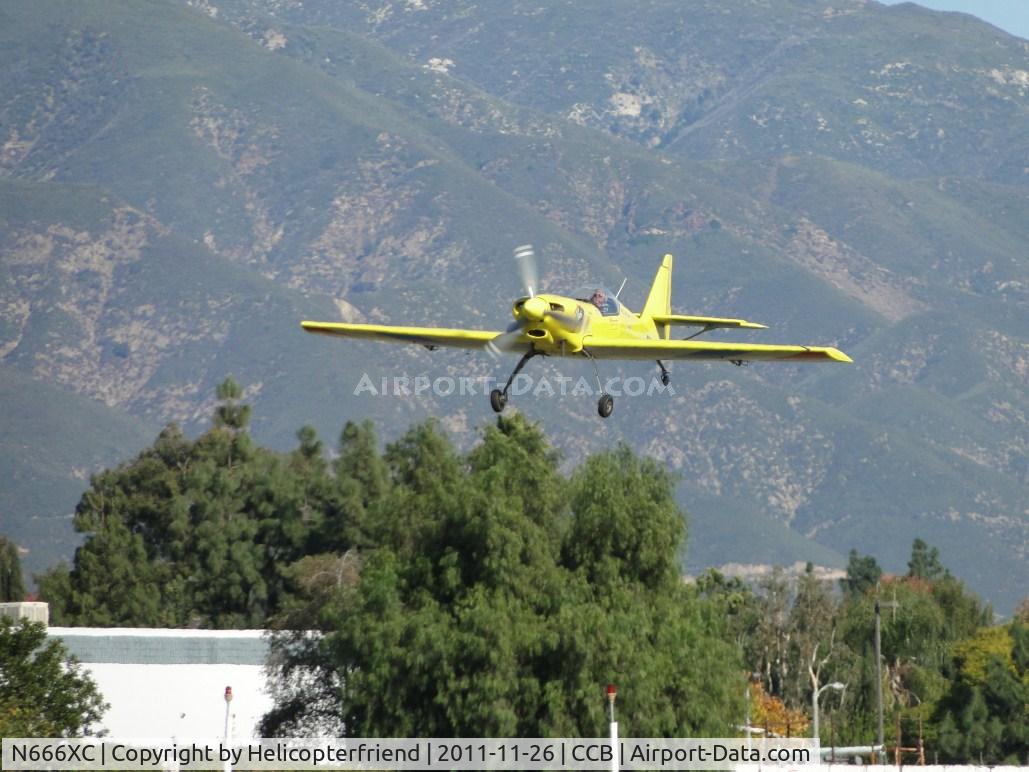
{"points": [[592, 323]]}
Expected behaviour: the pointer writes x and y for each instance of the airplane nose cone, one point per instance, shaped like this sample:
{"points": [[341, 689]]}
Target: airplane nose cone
{"points": [[534, 308]]}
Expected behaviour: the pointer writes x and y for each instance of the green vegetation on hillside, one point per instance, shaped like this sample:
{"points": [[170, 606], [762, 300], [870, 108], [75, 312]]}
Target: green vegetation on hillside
{"points": [[178, 189]]}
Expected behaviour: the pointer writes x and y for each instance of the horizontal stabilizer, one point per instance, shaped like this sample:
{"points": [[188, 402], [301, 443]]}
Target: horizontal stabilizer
{"points": [[707, 321]]}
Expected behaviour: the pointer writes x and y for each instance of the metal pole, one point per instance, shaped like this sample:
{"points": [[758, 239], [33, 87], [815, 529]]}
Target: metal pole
{"points": [[815, 694], [832, 736], [878, 678], [814, 712], [611, 693], [746, 721], [228, 725]]}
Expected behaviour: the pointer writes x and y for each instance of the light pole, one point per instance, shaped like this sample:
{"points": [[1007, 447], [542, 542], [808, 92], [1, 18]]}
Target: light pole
{"points": [[746, 717], [228, 725], [878, 677], [835, 686], [612, 692]]}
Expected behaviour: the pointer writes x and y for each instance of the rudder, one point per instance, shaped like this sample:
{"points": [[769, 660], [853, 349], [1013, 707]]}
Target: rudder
{"points": [[659, 301]]}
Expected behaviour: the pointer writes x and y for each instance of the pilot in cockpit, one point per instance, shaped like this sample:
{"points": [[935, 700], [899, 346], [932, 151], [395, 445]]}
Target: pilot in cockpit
{"points": [[599, 299]]}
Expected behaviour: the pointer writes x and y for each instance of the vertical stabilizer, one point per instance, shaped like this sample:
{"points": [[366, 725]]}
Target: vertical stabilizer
{"points": [[659, 301]]}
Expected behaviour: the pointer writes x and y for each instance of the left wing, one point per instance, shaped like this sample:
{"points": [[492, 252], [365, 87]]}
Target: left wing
{"points": [[425, 336], [622, 348]]}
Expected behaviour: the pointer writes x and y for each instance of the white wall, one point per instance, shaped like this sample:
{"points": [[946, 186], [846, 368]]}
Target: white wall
{"points": [[163, 683], [180, 700]]}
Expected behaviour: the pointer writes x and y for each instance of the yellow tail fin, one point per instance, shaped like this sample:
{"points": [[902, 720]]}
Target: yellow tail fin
{"points": [[659, 301]]}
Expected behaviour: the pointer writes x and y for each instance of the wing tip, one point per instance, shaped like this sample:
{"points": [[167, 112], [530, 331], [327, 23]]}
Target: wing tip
{"points": [[322, 327]]}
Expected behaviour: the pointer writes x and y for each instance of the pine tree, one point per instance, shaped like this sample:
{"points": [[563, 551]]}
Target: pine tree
{"points": [[230, 414], [361, 482], [12, 587], [863, 573], [193, 532], [925, 562]]}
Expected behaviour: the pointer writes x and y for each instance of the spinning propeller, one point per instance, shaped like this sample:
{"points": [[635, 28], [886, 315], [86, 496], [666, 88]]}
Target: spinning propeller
{"points": [[532, 310]]}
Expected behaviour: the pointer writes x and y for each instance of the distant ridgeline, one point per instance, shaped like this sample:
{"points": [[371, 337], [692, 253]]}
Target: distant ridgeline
{"points": [[842, 169]]}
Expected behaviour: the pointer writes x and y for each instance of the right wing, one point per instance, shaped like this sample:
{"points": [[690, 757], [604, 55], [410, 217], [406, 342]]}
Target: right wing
{"points": [[425, 336], [627, 348]]}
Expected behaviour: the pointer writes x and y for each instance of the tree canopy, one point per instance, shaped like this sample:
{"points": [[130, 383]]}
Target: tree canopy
{"points": [[500, 597], [43, 691], [421, 590]]}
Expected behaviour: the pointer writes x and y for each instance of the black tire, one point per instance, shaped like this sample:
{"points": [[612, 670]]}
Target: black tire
{"points": [[606, 405], [497, 400], [665, 379]]}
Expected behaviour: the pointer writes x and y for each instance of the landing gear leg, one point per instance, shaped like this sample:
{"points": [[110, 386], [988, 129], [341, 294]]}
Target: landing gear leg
{"points": [[665, 376], [606, 405], [498, 398]]}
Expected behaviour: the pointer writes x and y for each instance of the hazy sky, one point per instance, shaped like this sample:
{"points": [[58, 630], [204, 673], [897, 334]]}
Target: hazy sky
{"points": [[1010, 15]]}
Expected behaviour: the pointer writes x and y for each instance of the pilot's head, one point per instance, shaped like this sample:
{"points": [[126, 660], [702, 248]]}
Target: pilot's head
{"points": [[598, 299]]}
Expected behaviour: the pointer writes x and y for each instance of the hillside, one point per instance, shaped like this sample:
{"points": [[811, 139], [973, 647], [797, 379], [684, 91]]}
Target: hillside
{"points": [[180, 184]]}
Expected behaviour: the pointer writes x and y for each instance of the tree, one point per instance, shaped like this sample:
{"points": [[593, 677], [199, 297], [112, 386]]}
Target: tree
{"points": [[488, 605], [193, 532], [230, 414], [768, 647], [113, 583], [922, 623], [863, 573], [813, 621], [626, 524], [12, 587], [771, 714], [43, 691], [360, 482], [983, 717], [925, 562]]}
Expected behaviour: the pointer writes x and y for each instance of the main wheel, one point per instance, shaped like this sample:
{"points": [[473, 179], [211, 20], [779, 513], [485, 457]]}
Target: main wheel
{"points": [[497, 400], [665, 378], [606, 405]]}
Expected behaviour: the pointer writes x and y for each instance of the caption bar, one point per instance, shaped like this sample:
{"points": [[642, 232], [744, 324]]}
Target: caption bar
{"points": [[404, 753]]}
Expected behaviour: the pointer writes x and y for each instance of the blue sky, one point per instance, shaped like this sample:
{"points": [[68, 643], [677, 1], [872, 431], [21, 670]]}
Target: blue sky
{"points": [[1010, 15]]}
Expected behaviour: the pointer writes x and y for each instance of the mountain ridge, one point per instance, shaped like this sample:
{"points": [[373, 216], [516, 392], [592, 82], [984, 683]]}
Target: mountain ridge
{"points": [[277, 161]]}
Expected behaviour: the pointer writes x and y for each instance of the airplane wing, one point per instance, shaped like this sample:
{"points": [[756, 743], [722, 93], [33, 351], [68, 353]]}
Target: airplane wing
{"points": [[622, 348], [707, 321], [425, 336]]}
